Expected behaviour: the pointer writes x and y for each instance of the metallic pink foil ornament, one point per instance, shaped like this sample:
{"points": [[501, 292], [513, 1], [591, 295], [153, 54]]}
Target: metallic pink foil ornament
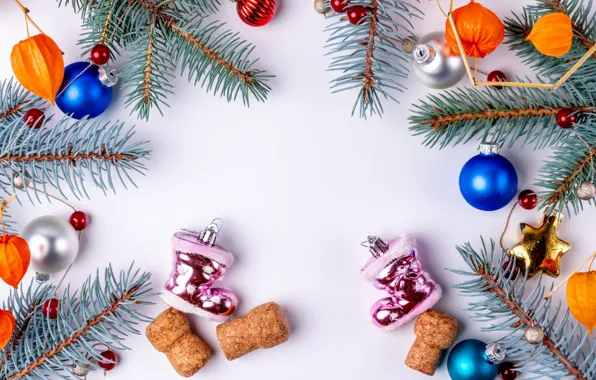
{"points": [[396, 268], [197, 263]]}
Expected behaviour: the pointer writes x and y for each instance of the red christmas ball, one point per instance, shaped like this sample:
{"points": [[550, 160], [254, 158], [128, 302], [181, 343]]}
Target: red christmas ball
{"points": [[50, 308], [339, 5], [566, 117], [256, 12], [108, 360], [527, 199], [34, 117], [510, 271], [506, 371], [100, 54], [78, 220], [496, 76], [356, 13]]}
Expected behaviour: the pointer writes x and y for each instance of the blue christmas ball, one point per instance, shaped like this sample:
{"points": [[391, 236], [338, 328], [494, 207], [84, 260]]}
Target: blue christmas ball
{"points": [[86, 96], [467, 361], [488, 181]]}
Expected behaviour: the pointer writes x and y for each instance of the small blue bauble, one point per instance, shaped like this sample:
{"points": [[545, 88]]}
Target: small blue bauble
{"points": [[488, 181], [467, 361], [86, 96]]}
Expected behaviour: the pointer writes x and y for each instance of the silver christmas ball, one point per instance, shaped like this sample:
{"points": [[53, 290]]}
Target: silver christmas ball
{"points": [[53, 242], [495, 353], [586, 191], [80, 369], [534, 334], [321, 6], [432, 67], [19, 181]]}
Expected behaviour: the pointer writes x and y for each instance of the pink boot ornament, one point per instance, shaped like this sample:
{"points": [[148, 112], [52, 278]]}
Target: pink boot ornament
{"points": [[197, 263], [396, 268]]}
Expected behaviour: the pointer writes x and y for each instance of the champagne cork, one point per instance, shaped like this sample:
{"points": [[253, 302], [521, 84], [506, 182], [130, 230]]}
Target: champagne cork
{"points": [[264, 326], [170, 333], [435, 332]]}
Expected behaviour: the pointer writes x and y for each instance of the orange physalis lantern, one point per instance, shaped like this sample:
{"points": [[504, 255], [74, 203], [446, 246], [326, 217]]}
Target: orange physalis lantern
{"points": [[552, 34], [14, 259], [480, 30], [7, 325], [581, 300], [38, 65]]}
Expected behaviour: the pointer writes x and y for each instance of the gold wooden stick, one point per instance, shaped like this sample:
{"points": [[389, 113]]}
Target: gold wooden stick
{"points": [[461, 50], [575, 67], [515, 84], [568, 277]]}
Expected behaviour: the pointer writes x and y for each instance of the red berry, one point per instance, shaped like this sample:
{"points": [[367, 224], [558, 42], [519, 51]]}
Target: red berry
{"points": [[566, 117], [78, 220], [339, 5], [510, 271], [497, 76], [506, 371], [50, 308], [34, 117], [356, 13], [108, 360], [100, 54], [527, 199]]}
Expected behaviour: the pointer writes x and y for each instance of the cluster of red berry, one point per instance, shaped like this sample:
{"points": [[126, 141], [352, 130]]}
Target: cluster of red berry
{"points": [[355, 13]]}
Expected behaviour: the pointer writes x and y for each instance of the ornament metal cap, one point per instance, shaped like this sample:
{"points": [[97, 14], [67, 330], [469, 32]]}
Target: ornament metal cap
{"points": [[375, 245], [107, 76], [424, 54], [495, 353], [408, 44], [41, 277], [209, 235], [487, 147]]}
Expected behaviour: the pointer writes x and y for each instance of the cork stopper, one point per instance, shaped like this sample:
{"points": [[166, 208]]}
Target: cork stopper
{"points": [[435, 332], [170, 333], [264, 326]]}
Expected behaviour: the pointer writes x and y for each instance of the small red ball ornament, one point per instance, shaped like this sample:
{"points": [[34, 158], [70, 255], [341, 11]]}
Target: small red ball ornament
{"points": [[527, 199], [78, 220], [496, 76], [510, 271], [356, 13], [100, 54], [566, 117], [50, 308], [506, 371], [256, 12], [34, 117], [339, 5], [108, 360]]}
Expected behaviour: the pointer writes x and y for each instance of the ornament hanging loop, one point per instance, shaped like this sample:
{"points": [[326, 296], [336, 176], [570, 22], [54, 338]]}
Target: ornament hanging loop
{"points": [[209, 235], [375, 245]]}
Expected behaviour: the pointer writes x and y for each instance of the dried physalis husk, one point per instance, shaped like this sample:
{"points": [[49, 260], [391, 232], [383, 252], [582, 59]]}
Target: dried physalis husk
{"points": [[552, 34], [580, 298]]}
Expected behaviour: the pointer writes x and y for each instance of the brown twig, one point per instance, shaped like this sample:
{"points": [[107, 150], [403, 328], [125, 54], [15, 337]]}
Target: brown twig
{"points": [[527, 321], [564, 186], [168, 21], [369, 80], [148, 57], [441, 121], [19, 334], [11, 111], [127, 296], [106, 25], [72, 157]]}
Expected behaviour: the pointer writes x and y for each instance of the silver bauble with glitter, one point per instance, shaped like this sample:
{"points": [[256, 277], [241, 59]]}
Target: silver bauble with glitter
{"points": [[432, 67], [586, 191], [53, 242], [321, 6], [534, 334]]}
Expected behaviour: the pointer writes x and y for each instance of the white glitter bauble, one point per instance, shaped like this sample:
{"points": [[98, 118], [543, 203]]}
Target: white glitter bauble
{"points": [[586, 191]]}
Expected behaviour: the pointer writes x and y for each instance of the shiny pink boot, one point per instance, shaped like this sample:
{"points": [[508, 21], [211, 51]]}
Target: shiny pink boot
{"points": [[197, 263], [395, 268]]}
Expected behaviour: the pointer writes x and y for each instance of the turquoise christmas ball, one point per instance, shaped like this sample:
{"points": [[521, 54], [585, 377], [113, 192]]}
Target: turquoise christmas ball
{"points": [[467, 361]]}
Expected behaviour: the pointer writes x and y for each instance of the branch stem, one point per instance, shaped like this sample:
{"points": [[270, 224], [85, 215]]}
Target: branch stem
{"points": [[27, 17]]}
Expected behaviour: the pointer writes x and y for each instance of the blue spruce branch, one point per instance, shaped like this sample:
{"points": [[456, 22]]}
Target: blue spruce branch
{"points": [[566, 349], [367, 56], [101, 312], [160, 35]]}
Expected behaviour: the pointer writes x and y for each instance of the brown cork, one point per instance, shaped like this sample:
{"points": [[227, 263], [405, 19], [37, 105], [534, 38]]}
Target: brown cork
{"points": [[435, 332], [170, 333], [264, 326]]}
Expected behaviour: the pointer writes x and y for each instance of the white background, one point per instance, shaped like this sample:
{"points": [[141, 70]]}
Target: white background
{"points": [[299, 184]]}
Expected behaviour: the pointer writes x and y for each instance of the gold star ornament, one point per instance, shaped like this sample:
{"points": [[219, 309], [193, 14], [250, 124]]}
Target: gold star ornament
{"points": [[540, 248]]}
